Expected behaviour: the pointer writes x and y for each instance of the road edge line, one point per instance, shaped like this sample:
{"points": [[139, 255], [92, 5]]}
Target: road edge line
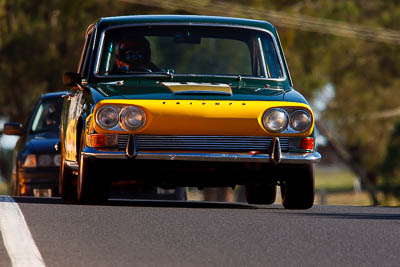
{"points": [[17, 238]]}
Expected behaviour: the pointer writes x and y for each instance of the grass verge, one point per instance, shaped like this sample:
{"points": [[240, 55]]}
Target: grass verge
{"points": [[334, 179], [337, 185], [3, 188]]}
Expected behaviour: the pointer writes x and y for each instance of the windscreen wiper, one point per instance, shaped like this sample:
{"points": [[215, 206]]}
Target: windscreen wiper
{"points": [[169, 73]]}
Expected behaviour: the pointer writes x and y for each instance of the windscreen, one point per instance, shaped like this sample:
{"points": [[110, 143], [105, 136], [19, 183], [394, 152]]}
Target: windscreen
{"points": [[191, 50], [47, 116]]}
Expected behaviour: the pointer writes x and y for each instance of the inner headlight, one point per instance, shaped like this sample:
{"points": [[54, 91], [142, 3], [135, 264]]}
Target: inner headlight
{"points": [[133, 118], [57, 160], [44, 160], [107, 117], [275, 120], [300, 120]]}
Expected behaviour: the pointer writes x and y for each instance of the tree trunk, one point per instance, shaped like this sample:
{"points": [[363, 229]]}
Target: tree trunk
{"points": [[347, 158], [10, 19]]}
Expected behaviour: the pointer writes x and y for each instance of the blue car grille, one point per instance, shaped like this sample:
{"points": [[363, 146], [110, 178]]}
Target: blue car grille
{"points": [[223, 143]]}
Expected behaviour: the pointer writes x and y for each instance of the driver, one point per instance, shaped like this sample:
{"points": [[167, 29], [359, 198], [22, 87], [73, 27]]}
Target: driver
{"points": [[52, 116], [133, 55]]}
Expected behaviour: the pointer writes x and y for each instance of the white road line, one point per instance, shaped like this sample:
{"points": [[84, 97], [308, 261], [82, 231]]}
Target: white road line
{"points": [[16, 235]]}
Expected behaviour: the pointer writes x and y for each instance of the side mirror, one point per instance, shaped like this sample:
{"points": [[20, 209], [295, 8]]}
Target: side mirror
{"points": [[72, 79], [13, 128]]}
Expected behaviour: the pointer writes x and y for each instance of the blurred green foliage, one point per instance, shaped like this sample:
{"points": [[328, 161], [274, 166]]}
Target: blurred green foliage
{"points": [[40, 39], [5, 164]]}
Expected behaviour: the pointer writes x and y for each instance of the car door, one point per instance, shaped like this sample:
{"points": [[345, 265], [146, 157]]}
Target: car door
{"points": [[73, 106]]}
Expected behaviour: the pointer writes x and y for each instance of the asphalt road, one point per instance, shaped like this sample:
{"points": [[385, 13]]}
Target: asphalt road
{"points": [[167, 233]]}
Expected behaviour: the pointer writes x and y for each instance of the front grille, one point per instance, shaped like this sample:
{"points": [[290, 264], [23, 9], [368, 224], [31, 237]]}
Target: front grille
{"points": [[223, 143]]}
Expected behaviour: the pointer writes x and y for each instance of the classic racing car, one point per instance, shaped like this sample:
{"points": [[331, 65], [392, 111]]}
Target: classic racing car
{"points": [[177, 100]]}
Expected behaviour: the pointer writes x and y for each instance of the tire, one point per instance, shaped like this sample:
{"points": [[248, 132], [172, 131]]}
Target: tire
{"points": [[93, 186], [261, 193], [66, 187], [16, 190], [180, 194], [15, 187], [297, 188]]}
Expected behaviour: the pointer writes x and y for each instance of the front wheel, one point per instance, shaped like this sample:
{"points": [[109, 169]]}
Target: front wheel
{"points": [[15, 183], [180, 194], [297, 188], [92, 186], [66, 178]]}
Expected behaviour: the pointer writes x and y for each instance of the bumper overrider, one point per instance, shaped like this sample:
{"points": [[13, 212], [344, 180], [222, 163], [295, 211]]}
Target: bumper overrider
{"points": [[274, 156]]}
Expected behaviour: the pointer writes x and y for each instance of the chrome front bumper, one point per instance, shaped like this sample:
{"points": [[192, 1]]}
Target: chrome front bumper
{"points": [[288, 158]]}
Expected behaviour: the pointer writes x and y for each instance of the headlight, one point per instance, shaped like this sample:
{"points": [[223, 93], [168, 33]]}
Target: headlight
{"points": [[275, 120], [57, 160], [44, 160], [30, 161], [300, 120], [132, 118], [107, 117]]}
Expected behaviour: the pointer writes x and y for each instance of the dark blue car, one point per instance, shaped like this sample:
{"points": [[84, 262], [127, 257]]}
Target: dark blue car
{"points": [[36, 161]]}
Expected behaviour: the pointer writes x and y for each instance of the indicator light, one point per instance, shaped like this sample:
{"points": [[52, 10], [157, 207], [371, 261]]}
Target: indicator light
{"points": [[307, 143]]}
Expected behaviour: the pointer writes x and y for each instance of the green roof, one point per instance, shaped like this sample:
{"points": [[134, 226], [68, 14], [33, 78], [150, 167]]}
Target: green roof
{"points": [[123, 20]]}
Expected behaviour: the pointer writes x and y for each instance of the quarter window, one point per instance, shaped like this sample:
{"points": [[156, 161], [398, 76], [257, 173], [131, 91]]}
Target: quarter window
{"points": [[83, 68]]}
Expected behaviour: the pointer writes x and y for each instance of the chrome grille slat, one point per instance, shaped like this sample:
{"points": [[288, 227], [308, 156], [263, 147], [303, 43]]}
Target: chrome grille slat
{"points": [[160, 142]]}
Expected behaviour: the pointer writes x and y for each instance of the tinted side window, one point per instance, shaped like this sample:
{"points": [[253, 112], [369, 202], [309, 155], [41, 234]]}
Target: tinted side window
{"points": [[83, 68], [273, 66]]}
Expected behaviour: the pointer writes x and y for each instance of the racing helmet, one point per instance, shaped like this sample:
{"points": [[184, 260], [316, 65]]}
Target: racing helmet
{"points": [[133, 51]]}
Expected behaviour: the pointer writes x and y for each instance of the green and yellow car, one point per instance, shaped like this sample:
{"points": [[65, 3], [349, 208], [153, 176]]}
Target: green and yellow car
{"points": [[186, 101]]}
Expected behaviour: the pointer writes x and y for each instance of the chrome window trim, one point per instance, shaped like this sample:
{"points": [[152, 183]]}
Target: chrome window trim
{"points": [[284, 58], [276, 46], [90, 30], [93, 48], [260, 47]]}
